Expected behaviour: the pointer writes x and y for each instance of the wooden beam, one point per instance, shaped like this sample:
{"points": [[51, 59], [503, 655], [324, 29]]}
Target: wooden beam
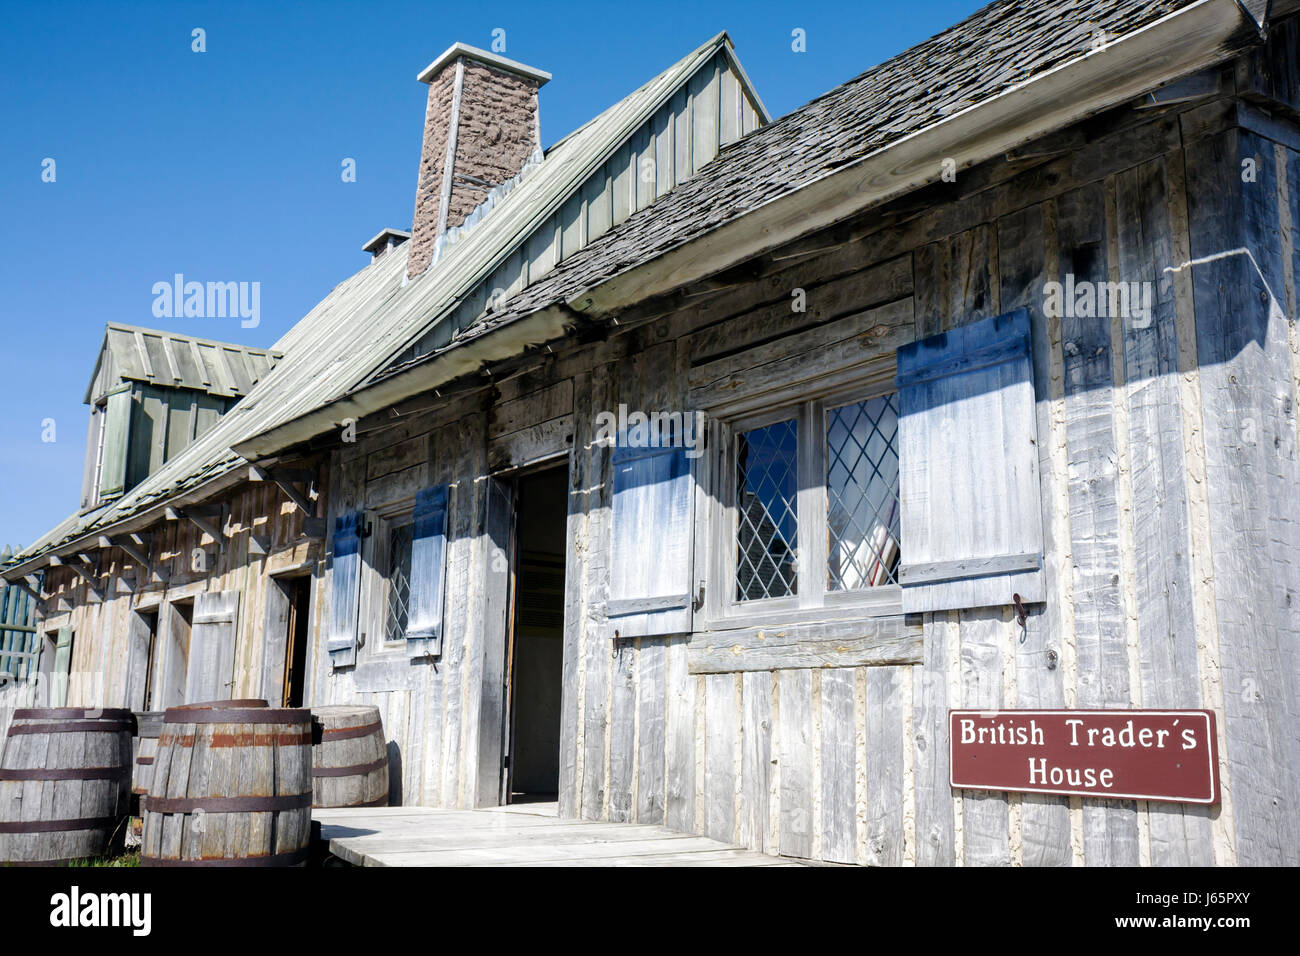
{"points": [[854, 643], [196, 517], [1198, 86], [127, 545], [203, 524], [28, 589], [85, 572], [135, 550], [285, 477]]}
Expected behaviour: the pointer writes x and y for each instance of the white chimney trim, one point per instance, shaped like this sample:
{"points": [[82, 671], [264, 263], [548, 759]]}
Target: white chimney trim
{"points": [[384, 237], [457, 50]]}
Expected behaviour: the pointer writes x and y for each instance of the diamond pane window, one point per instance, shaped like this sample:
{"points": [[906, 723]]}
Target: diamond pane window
{"points": [[767, 523], [399, 583], [862, 508]]}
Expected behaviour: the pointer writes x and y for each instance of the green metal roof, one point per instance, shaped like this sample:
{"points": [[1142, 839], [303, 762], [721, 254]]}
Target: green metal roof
{"points": [[176, 360]]}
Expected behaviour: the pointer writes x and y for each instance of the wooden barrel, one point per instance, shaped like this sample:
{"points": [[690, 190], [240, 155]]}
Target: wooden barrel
{"points": [[148, 727], [231, 787], [65, 783], [350, 758]]}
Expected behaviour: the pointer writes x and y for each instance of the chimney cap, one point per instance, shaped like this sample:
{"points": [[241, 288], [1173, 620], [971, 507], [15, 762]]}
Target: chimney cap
{"points": [[457, 50], [385, 238]]}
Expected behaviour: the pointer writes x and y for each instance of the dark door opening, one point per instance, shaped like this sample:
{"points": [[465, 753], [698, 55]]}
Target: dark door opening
{"points": [[535, 665], [295, 658], [149, 623]]}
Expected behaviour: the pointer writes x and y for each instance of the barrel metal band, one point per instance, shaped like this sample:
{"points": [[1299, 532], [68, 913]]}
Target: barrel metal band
{"points": [[74, 713], [290, 801], [72, 727], [55, 826], [279, 859], [347, 733], [355, 769], [77, 773], [237, 715]]}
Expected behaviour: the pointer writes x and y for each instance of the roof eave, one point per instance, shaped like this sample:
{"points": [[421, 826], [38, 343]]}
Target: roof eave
{"points": [[1190, 39], [538, 328]]}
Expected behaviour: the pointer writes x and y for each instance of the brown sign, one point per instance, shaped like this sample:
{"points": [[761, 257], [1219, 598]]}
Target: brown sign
{"points": [[1124, 754]]}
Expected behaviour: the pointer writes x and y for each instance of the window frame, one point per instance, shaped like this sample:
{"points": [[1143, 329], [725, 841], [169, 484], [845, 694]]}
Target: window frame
{"points": [[375, 559], [815, 601], [389, 524]]}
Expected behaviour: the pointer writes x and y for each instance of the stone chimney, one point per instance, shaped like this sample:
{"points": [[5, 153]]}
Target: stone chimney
{"points": [[480, 128]]}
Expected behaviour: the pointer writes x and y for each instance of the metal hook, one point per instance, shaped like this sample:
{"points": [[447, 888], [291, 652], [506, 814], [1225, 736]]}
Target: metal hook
{"points": [[1021, 616]]}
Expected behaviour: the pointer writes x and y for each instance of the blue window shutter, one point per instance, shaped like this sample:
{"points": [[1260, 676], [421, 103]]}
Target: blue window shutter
{"points": [[972, 531], [345, 591], [653, 537], [428, 573]]}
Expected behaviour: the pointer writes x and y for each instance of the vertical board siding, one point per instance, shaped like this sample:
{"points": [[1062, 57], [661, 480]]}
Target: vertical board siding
{"points": [[1110, 828], [1024, 244], [884, 766], [1167, 655], [796, 763], [756, 759], [839, 766], [851, 764], [1252, 476], [720, 735]]}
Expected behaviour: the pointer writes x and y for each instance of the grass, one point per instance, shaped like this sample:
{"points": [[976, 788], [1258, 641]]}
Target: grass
{"points": [[122, 859]]}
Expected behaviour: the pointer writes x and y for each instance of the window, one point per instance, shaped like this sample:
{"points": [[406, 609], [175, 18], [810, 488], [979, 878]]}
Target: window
{"points": [[811, 513], [397, 607], [862, 494], [766, 512]]}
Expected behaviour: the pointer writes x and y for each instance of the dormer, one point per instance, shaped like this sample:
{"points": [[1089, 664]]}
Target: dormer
{"points": [[152, 393]]}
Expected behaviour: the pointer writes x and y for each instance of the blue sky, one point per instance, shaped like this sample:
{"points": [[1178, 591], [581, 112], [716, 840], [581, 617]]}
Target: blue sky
{"points": [[225, 165]]}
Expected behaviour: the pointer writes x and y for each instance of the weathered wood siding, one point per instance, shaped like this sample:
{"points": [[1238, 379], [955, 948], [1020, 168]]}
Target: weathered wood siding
{"points": [[104, 619], [1166, 586], [1168, 470]]}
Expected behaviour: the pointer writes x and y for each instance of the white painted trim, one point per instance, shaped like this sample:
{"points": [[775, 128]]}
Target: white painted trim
{"points": [[495, 60]]}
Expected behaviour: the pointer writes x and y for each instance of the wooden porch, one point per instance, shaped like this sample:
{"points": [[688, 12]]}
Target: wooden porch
{"points": [[519, 835]]}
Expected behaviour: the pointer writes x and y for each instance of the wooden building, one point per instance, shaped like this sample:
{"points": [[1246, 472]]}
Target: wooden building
{"points": [[709, 459]]}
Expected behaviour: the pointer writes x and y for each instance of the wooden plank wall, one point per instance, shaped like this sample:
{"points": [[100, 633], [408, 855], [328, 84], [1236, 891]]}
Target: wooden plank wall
{"points": [[1168, 469], [102, 623], [849, 764], [1141, 493]]}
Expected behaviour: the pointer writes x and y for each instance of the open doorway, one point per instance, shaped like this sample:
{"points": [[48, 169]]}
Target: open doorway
{"points": [[295, 658], [178, 617], [535, 664], [288, 606]]}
